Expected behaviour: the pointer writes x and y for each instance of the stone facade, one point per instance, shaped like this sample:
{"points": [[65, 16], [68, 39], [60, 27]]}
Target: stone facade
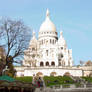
{"points": [[48, 49], [48, 71]]}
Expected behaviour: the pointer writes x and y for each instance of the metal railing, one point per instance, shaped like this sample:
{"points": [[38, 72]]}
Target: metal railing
{"points": [[71, 86]]}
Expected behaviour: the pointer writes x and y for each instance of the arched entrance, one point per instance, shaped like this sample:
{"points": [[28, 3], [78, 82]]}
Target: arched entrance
{"points": [[53, 63], [39, 74], [41, 64], [53, 74], [67, 74], [47, 63]]}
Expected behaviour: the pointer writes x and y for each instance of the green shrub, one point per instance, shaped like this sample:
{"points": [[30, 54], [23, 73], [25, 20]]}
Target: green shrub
{"points": [[89, 79], [24, 79], [57, 80]]}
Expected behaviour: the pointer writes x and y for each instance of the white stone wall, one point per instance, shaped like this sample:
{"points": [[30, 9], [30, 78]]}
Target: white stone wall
{"points": [[60, 71], [48, 71], [48, 41]]}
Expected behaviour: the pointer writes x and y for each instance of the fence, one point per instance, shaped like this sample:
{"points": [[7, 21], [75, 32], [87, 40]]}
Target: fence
{"points": [[71, 86]]}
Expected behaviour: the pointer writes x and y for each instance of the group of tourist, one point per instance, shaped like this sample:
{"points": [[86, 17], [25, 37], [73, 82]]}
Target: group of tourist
{"points": [[37, 81]]}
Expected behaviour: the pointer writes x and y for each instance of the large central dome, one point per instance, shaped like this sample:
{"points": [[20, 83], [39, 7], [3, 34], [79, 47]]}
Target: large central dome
{"points": [[47, 25]]}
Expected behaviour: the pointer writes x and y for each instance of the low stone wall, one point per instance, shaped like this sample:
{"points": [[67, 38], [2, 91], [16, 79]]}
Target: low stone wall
{"points": [[47, 71], [72, 86], [66, 88]]}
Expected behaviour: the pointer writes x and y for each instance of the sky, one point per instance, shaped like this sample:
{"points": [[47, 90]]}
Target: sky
{"points": [[73, 17]]}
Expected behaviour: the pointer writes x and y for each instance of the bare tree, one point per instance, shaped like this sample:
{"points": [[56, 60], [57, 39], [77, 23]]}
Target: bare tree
{"points": [[2, 59], [88, 63], [14, 38]]}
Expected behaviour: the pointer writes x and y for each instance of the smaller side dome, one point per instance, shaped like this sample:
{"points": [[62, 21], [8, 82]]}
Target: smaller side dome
{"points": [[33, 40], [61, 40]]}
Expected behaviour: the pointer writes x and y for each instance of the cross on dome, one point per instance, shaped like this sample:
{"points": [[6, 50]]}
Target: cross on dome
{"points": [[61, 33], [47, 13], [33, 35], [47, 25]]}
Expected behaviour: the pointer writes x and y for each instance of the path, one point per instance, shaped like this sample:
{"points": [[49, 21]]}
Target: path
{"points": [[64, 90], [44, 89]]}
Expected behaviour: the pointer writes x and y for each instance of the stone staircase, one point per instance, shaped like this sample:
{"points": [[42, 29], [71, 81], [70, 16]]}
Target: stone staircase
{"points": [[78, 79], [44, 89]]}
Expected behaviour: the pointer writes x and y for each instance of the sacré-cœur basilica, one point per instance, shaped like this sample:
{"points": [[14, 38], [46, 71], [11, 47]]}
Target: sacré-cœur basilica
{"points": [[49, 55]]}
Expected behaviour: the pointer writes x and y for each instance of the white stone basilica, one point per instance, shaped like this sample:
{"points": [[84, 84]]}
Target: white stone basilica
{"points": [[48, 55], [48, 50]]}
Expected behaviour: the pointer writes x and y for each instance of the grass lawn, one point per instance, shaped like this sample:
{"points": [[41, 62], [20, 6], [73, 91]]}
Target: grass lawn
{"points": [[89, 79], [24, 79], [52, 80], [58, 80]]}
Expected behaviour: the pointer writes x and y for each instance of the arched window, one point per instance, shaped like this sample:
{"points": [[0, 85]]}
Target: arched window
{"points": [[47, 63], [68, 63], [33, 49], [53, 41], [61, 55], [56, 33], [53, 63], [50, 40], [59, 63], [41, 64], [42, 41], [47, 52], [64, 63], [61, 48]]}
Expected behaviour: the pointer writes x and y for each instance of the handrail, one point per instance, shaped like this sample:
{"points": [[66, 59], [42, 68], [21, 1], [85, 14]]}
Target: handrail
{"points": [[71, 86]]}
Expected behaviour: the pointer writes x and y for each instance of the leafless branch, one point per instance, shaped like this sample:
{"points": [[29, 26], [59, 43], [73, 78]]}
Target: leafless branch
{"points": [[15, 37]]}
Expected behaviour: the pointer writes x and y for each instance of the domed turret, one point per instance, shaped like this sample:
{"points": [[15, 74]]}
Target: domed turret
{"points": [[33, 40], [61, 40]]}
